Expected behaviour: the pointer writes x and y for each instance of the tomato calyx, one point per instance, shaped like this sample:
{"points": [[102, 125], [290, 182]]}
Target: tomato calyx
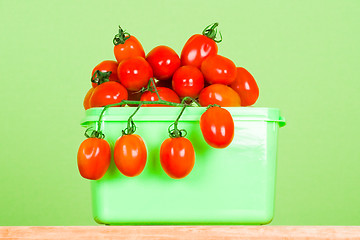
{"points": [[121, 37], [94, 133], [212, 105], [100, 77], [211, 32], [131, 127]]}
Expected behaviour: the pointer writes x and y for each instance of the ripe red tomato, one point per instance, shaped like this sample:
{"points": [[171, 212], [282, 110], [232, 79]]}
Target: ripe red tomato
{"points": [[107, 66], [130, 155], [219, 94], [129, 49], [93, 158], [164, 62], [218, 69], [188, 81], [134, 73], [217, 127], [177, 157], [87, 98], [196, 49], [245, 85], [108, 93], [165, 94]]}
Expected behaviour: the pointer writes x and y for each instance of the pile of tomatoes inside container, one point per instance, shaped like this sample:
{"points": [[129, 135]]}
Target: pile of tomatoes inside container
{"points": [[199, 74]]}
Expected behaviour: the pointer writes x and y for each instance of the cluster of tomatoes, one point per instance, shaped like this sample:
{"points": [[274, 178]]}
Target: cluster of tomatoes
{"points": [[199, 74]]}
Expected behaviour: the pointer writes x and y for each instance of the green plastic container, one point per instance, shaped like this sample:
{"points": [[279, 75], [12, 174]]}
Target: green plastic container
{"points": [[235, 185]]}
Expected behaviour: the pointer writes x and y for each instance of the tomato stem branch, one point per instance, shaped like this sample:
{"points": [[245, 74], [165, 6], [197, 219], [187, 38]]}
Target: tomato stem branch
{"points": [[183, 104], [176, 132], [155, 89], [131, 127]]}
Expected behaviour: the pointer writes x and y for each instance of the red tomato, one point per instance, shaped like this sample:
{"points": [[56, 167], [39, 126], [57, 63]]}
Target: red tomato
{"points": [[245, 85], [196, 49], [217, 127], [130, 155], [164, 62], [188, 81], [129, 49], [177, 157], [165, 94], [218, 69], [108, 93], [87, 98], [134, 73], [219, 94], [107, 66], [93, 158]]}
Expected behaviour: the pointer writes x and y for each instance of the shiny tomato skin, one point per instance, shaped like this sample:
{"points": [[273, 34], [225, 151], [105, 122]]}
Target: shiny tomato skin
{"points": [[165, 94], [131, 48], [93, 158], [107, 66], [219, 94], [108, 93], [188, 81], [217, 127], [164, 61], [218, 69], [130, 155], [245, 85], [177, 157], [197, 49], [87, 98], [134, 73]]}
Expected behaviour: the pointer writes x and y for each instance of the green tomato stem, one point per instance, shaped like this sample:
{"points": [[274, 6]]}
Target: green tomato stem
{"points": [[131, 127], [121, 37], [211, 32]]}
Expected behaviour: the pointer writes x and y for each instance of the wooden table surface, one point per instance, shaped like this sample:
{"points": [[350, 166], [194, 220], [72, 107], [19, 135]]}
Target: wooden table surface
{"points": [[180, 232]]}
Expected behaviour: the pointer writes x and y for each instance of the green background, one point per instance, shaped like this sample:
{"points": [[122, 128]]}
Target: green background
{"points": [[303, 54]]}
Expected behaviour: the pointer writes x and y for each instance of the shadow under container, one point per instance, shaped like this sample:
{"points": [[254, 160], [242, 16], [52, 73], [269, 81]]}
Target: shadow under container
{"points": [[234, 185]]}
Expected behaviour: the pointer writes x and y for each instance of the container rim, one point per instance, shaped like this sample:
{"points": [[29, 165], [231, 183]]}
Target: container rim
{"points": [[191, 114]]}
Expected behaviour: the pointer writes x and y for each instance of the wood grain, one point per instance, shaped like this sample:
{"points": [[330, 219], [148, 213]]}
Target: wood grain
{"points": [[181, 232]]}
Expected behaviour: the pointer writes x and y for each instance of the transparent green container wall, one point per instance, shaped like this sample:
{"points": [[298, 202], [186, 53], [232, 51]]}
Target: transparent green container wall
{"points": [[235, 185]]}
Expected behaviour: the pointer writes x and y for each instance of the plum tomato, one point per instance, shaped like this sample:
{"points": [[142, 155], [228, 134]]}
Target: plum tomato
{"points": [[87, 98], [108, 93], [200, 46], [164, 62], [245, 85], [130, 155], [177, 157], [217, 127], [107, 66], [134, 73], [93, 158], [165, 94], [218, 69], [196, 49], [219, 94], [188, 81], [127, 46]]}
